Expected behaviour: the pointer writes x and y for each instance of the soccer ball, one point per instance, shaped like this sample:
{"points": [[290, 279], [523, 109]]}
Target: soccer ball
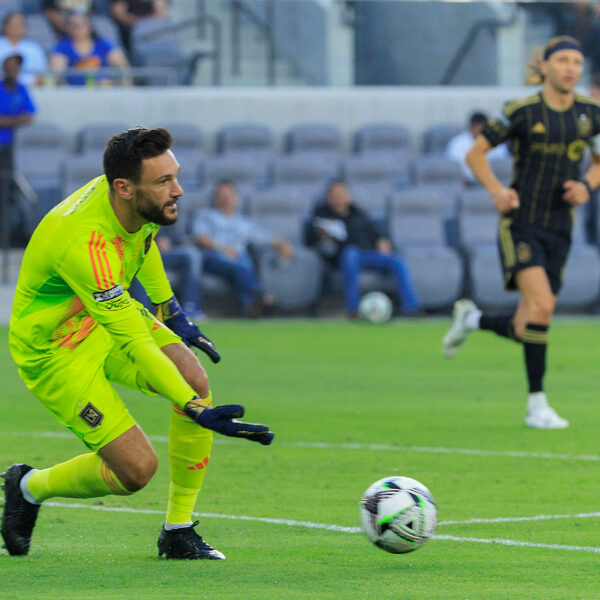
{"points": [[398, 514], [375, 307]]}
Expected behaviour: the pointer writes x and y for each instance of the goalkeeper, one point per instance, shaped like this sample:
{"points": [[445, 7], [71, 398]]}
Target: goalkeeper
{"points": [[74, 328]]}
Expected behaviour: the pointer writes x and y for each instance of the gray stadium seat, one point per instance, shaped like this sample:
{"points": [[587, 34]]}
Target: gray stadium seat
{"points": [[295, 283], [437, 273], [278, 211], [390, 138], [78, 170], [581, 282], [191, 203], [436, 137], [374, 198], [308, 173], [154, 45], [245, 137], [314, 137], [106, 28], [416, 219], [185, 135], [368, 169], [487, 282], [477, 218], [246, 173], [435, 169], [93, 138], [40, 31]]}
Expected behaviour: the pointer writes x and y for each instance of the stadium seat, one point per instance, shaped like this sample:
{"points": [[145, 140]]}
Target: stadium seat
{"points": [[278, 211], [318, 138], [435, 169], [40, 31], [296, 283], [245, 138], [78, 170], [106, 28], [436, 137], [93, 138], [477, 218], [308, 174], [487, 281], [389, 138], [190, 203], [246, 173], [581, 282], [373, 198], [416, 219]]}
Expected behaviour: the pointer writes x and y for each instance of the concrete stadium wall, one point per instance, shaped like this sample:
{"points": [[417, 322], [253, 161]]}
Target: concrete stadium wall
{"points": [[280, 108]]}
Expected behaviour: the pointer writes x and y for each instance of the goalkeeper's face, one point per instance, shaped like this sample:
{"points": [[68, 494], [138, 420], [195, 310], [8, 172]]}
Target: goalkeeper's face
{"points": [[155, 196]]}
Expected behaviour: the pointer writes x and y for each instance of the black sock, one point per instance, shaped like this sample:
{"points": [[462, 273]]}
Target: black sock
{"points": [[500, 324], [535, 339]]}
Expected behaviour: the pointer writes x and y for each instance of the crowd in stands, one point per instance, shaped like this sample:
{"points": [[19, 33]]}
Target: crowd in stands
{"points": [[76, 35], [270, 231]]}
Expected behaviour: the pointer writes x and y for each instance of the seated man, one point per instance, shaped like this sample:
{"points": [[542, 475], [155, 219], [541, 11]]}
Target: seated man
{"points": [[347, 238], [224, 236], [460, 144]]}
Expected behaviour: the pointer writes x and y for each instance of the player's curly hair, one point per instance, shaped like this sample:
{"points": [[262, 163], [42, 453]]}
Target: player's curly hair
{"points": [[534, 75], [125, 151]]}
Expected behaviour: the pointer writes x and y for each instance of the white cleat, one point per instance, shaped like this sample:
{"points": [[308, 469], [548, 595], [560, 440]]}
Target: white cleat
{"points": [[458, 332], [545, 417]]}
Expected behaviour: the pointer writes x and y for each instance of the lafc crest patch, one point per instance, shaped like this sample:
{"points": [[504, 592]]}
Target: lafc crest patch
{"points": [[523, 252], [91, 415], [584, 126]]}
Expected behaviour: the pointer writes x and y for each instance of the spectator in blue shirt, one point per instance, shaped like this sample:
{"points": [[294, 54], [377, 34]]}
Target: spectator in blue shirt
{"points": [[224, 236], [14, 41], [85, 51], [16, 109]]}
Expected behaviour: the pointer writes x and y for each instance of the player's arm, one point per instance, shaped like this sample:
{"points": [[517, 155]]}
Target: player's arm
{"points": [[154, 279], [495, 132], [89, 267]]}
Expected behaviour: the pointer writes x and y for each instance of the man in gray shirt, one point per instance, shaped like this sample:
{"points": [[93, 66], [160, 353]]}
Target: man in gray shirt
{"points": [[224, 236]]}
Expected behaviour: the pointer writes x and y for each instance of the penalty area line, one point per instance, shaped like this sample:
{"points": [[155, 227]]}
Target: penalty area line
{"points": [[342, 529], [360, 447]]}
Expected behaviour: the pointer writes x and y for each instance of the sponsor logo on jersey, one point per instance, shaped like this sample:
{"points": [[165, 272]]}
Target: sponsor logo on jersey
{"points": [[584, 126], [111, 294], [91, 415], [538, 128]]}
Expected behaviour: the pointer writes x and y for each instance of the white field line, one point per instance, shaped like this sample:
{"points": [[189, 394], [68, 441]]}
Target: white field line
{"points": [[341, 529], [362, 447]]}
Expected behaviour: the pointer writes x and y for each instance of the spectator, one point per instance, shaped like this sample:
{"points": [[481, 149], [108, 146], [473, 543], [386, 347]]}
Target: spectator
{"points": [[13, 41], [184, 265], [460, 144], [126, 13], [347, 238], [85, 51], [57, 12], [225, 236], [16, 109], [595, 87]]}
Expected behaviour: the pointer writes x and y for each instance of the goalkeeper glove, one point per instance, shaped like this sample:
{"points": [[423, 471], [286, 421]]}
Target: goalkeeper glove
{"points": [[222, 419], [171, 314]]}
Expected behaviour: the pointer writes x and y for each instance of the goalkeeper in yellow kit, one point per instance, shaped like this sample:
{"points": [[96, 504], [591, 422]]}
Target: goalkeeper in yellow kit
{"points": [[74, 329]]}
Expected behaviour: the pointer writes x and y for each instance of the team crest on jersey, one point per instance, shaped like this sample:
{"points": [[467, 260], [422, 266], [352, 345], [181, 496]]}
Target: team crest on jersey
{"points": [[523, 252], [584, 126], [91, 415], [538, 128]]}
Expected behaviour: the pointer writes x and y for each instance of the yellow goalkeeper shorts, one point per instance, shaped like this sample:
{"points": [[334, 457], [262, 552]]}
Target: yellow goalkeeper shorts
{"points": [[76, 386]]}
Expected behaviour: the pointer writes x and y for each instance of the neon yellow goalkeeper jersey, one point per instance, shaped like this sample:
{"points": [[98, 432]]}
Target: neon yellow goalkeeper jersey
{"points": [[73, 284]]}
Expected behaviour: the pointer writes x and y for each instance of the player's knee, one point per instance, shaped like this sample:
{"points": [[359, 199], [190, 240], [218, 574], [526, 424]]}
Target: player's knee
{"points": [[542, 311], [138, 474]]}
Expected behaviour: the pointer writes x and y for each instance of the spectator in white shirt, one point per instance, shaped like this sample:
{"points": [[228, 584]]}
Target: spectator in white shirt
{"points": [[13, 41], [460, 144], [224, 236]]}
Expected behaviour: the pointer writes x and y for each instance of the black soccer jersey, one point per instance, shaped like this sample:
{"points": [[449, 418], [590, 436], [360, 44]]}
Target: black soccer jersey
{"points": [[548, 146]]}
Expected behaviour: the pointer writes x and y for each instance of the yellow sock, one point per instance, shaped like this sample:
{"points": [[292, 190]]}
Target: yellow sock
{"points": [[189, 453], [85, 476]]}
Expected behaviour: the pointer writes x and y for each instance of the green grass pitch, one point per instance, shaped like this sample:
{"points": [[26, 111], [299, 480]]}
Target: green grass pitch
{"points": [[349, 403]]}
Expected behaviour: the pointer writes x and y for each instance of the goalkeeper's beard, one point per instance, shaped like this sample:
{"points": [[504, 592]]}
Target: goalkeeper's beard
{"points": [[146, 208]]}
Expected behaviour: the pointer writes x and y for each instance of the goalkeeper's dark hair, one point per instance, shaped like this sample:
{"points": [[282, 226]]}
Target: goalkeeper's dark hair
{"points": [[125, 151]]}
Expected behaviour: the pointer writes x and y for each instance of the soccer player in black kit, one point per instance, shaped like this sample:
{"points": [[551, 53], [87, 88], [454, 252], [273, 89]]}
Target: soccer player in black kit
{"points": [[549, 132]]}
